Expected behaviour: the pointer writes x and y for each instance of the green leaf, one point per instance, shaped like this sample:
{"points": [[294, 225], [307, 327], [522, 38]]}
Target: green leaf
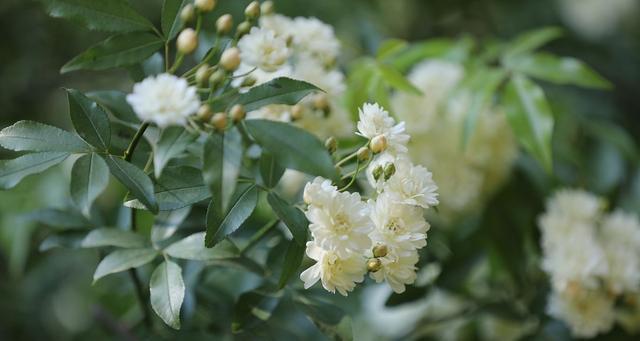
{"points": [[394, 78], [281, 90], [378, 90], [319, 310], [192, 247], [116, 51], [435, 48], [121, 260], [167, 292], [37, 137], [59, 218], [172, 142], [170, 20], [530, 118], [389, 48], [222, 158], [218, 229], [483, 86], [135, 180], [291, 216], [67, 239], [89, 119], [254, 307], [270, 170], [13, 171], [89, 178], [166, 223], [292, 262], [293, 147], [116, 102], [532, 40], [103, 15], [559, 70], [113, 237]]}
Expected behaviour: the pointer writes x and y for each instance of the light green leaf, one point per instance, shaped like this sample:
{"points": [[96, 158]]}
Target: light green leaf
{"points": [[116, 51], [434, 48], [62, 219], [67, 239], [222, 158], [89, 177], [124, 259], [378, 91], [13, 171], [37, 137], [102, 15], [291, 216], [218, 229], [559, 70], [532, 40], [293, 147], [254, 307], [135, 180], [172, 142], [167, 292], [170, 19], [292, 262], [483, 86], [113, 237], [390, 47], [116, 102], [192, 247], [530, 117], [89, 119], [394, 78], [270, 170], [281, 90]]}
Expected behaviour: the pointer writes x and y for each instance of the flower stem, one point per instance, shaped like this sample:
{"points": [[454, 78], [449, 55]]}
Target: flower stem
{"points": [[258, 236], [128, 154], [353, 179]]}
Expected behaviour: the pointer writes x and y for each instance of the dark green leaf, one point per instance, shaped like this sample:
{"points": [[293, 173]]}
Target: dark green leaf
{"points": [[192, 247], [13, 171], [102, 15], [253, 308], [124, 259], [116, 102], [530, 118], [270, 170], [89, 177], [483, 86], [179, 187], [167, 292], [113, 237], [135, 180], [171, 21], [89, 119], [172, 142], [293, 147], [291, 216], [116, 51], [37, 137], [394, 78], [532, 40], [277, 91], [222, 158], [218, 229], [292, 262]]}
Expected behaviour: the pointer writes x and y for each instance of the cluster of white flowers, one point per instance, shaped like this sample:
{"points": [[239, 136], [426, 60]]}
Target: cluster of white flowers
{"points": [[382, 235], [304, 49], [466, 175], [164, 100], [592, 258]]}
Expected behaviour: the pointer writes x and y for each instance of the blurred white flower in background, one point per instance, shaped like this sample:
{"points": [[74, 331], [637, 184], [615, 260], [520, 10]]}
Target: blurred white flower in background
{"points": [[587, 312], [596, 19], [263, 49], [164, 100]]}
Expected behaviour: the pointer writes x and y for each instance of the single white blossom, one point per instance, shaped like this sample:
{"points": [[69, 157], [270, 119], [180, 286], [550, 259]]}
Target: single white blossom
{"points": [[398, 226], [397, 269], [335, 273], [620, 238], [316, 38], [263, 49], [587, 312], [412, 185], [374, 121], [319, 192], [164, 100]]}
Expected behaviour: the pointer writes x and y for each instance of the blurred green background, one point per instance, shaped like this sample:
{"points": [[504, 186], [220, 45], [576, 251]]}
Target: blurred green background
{"points": [[49, 295]]}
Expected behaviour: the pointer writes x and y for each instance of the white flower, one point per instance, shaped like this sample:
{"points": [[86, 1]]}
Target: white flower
{"points": [[319, 192], [397, 270], [587, 312], [374, 121], [336, 273], [620, 238], [412, 185], [315, 37], [400, 227], [164, 100], [341, 224], [261, 48], [311, 70], [281, 25]]}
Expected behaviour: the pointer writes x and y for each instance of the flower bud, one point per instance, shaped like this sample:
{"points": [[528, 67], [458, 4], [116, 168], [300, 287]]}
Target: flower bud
{"points": [[224, 24], [267, 8], [377, 173], [296, 112], [204, 113], [230, 59], [219, 121], [203, 73], [363, 154], [237, 113], [248, 81], [378, 144], [374, 264], [243, 29], [380, 250], [216, 78], [331, 144], [252, 11], [187, 41], [320, 101], [205, 5], [389, 170], [188, 13]]}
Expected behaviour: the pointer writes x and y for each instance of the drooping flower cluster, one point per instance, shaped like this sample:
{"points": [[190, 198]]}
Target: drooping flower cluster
{"points": [[592, 258], [466, 175], [382, 235]]}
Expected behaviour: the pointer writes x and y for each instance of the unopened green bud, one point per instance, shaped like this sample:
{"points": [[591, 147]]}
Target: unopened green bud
{"points": [[204, 113], [243, 29], [237, 113], [331, 144], [377, 173], [216, 78], [187, 41], [205, 5], [380, 250], [378, 144], [252, 11], [248, 81], [363, 154], [203, 73], [389, 170], [230, 59], [219, 121]]}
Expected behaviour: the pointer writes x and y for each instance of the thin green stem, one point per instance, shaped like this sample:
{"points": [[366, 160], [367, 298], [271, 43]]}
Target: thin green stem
{"points": [[259, 235], [166, 57], [353, 179], [128, 154], [177, 62], [346, 159]]}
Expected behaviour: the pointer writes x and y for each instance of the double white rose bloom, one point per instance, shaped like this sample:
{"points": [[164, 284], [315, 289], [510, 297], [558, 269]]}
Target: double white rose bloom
{"points": [[592, 258], [381, 235]]}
